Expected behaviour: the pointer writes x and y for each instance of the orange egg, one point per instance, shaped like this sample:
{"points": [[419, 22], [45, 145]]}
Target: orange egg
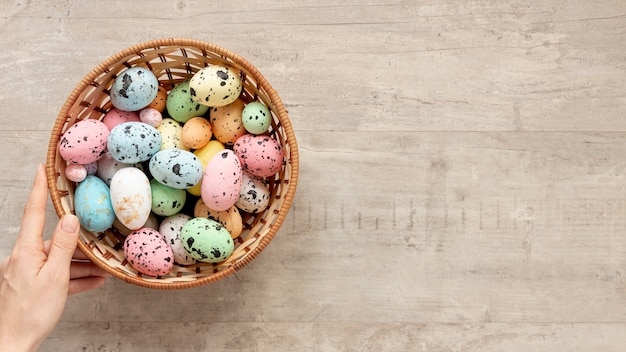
{"points": [[227, 123], [159, 102], [196, 133]]}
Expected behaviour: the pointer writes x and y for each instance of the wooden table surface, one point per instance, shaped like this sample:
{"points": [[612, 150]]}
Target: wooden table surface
{"points": [[462, 171]]}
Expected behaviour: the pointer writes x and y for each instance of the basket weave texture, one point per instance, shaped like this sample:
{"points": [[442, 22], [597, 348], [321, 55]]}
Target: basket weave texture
{"points": [[172, 61]]}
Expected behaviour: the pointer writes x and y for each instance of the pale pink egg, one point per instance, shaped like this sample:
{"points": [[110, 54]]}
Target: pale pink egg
{"points": [[75, 172], [221, 181], [151, 116], [116, 116], [84, 142]]}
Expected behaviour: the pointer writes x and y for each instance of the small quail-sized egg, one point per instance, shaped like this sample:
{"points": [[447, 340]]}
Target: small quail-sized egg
{"points": [[256, 118], [75, 172], [151, 116]]}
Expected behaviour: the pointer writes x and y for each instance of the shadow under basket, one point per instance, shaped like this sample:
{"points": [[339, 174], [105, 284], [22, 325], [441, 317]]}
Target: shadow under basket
{"points": [[173, 61]]}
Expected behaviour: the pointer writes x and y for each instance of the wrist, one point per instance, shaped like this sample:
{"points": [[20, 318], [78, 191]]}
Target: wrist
{"points": [[11, 342]]}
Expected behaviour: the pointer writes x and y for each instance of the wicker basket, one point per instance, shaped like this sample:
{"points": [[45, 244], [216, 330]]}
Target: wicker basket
{"points": [[173, 61]]}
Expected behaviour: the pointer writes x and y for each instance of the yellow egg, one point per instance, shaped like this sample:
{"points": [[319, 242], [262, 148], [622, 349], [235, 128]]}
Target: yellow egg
{"points": [[196, 132], [205, 154], [227, 123], [171, 134], [229, 218]]}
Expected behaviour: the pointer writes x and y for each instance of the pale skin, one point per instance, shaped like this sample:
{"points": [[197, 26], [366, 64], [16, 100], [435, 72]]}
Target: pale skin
{"points": [[38, 276]]}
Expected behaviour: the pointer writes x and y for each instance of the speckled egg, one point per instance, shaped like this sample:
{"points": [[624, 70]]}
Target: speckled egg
{"points": [[75, 172], [131, 197], [260, 155], [171, 228], [116, 116], [180, 105], [166, 200], [84, 142], [230, 218], [159, 101], [254, 196], [216, 85], [134, 88], [107, 167], [148, 252], [133, 142], [221, 182], [171, 134], [207, 240], [196, 133], [226, 122], [256, 118], [151, 116], [92, 204], [205, 154], [176, 168]]}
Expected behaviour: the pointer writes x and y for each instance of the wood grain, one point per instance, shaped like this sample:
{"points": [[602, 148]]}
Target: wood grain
{"points": [[461, 181]]}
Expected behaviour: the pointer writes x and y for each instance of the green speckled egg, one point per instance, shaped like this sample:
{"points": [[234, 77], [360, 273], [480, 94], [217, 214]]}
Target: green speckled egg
{"points": [[207, 240], [166, 200], [180, 106], [256, 118]]}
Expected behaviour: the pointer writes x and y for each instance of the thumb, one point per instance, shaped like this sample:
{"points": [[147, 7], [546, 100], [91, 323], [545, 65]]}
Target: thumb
{"points": [[63, 242]]}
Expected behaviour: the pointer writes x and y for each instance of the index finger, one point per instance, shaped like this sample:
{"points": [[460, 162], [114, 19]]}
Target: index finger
{"points": [[34, 218]]}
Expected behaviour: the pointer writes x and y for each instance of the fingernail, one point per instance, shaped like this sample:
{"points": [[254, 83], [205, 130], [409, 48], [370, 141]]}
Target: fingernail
{"points": [[69, 223]]}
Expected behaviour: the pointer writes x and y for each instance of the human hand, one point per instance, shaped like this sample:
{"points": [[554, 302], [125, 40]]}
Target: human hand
{"points": [[38, 276]]}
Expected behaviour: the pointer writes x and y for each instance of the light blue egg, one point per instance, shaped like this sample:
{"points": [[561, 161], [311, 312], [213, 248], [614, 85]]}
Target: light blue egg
{"points": [[133, 142], [176, 168], [134, 89], [92, 204]]}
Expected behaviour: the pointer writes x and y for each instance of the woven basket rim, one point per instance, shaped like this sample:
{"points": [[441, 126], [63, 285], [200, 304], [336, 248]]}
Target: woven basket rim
{"points": [[281, 113]]}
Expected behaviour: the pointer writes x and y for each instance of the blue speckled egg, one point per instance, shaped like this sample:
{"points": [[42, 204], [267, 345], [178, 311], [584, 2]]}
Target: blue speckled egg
{"points": [[92, 203], [176, 168], [134, 89], [133, 142]]}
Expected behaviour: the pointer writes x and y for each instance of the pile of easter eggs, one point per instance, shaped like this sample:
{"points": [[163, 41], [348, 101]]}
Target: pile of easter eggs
{"points": [[154, 151]]}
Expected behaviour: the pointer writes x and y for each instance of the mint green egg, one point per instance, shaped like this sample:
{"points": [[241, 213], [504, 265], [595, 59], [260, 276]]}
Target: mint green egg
{"points": [[180, 106], [166, 200], [256, 118], [207, 240]]}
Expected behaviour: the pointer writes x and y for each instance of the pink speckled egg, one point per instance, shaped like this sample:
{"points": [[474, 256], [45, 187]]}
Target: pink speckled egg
{"points": [[116, 116], [148, 252], [84, 142], [75, 172], [259, 155], [221, 181]]}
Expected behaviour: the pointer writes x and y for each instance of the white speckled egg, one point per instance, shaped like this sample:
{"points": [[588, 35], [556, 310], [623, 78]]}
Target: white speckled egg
{"points": [[254, 196], [131, 197], [221, 182], [170, 228], [133, 142], [134, 89], [216, 85], [176, 168]]}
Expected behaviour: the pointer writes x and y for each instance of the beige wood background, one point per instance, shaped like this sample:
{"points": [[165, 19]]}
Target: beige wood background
{"points": [[462, 173]]}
